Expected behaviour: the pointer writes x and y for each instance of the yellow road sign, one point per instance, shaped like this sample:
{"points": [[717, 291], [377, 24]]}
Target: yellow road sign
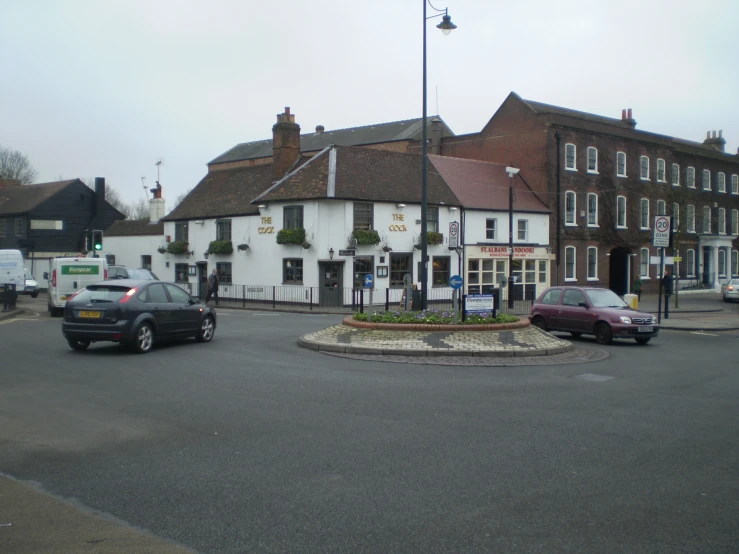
{"points": [[677, 259]]}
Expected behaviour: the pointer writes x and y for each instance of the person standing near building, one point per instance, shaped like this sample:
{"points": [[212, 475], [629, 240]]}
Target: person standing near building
{"points": [[212, 286], [637, 287]]}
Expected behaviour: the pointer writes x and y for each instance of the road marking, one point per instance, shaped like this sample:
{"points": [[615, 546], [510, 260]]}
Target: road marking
{"points": [[34, 317], [706, 334]]}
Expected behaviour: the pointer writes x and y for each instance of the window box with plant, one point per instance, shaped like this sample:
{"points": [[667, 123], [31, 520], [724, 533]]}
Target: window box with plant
{"points": [[220, 247], [366, 237], [432, 239], [291, 236], [177, 247]]}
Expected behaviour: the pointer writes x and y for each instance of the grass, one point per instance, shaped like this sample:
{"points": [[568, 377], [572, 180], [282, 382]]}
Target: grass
{"points": [[435, 317]]}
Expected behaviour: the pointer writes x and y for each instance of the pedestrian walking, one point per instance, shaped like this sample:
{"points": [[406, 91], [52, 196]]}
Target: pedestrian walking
{"points": [[212, 286], [637, 287]]}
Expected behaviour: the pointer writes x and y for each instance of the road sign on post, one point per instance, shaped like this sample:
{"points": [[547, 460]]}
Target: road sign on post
{"points": [[662, 231], [455, 281], [453, 234], [369, 280]]}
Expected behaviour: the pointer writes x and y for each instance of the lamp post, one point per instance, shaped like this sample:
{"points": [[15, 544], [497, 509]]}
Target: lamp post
{"points": [[512, 172], [446, 27]]}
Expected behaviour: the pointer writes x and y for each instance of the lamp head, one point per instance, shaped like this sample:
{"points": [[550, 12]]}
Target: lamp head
{"points": [[511, 171], [446, 25]]}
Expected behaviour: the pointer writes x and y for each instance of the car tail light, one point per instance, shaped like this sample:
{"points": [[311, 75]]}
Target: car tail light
{"points": [[127, 296], [53, 278]]}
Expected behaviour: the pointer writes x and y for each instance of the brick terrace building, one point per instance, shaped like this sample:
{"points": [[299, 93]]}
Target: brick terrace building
{"points": [[604, 181]]}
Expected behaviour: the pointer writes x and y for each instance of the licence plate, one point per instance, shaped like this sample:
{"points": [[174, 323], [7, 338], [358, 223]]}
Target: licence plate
{"points": [[646, 329], [92, 315]]}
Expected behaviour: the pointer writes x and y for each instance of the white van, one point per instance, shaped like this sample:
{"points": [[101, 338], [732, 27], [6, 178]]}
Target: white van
{"points": [[12, 269], [68, 276]]}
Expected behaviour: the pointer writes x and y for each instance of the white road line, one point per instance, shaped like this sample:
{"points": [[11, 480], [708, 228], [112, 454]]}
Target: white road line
{"points": [[706, 334]]}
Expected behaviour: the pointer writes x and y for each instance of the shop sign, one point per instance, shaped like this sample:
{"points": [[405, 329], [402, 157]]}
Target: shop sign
{"points": [[502, 251]]}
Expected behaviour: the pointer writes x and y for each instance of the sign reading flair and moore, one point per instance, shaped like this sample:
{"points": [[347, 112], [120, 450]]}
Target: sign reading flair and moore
{"points": [[662, 231]]}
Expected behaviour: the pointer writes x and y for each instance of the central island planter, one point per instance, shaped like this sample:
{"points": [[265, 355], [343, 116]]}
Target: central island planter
{"points": [[520, 324]]}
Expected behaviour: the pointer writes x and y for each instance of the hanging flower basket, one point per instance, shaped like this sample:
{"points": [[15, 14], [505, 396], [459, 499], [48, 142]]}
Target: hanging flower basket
{"points": [[243, 247], [161, 249], [306, 245]]}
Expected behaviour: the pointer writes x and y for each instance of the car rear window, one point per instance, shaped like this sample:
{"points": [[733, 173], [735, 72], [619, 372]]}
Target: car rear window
{"points": [[141, 274], [101, 293]]}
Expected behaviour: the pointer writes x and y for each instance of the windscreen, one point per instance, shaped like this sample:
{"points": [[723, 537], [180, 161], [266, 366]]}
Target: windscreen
{"points": [[100, 294], [605, 298], [143, 274]]}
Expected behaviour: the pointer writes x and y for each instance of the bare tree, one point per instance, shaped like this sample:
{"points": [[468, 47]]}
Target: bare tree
{"points": [[138, 210], [112, 196], [15, 165], [180, 198]]}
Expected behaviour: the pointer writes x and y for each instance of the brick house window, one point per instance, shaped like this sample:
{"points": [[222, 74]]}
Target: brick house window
{"points": [[20, 227], [722, 221], [661, 172], [706, 179], [180, 232], [224, 273], [592, 263], [644, 168], [706, 219], [644, 263], [690, 177], [644, 221], [721, 181], [570, 274], [690, 263], [721, 262], [621, 212], [592, 160], [570, 204], [440, 275], [292, 271], [223, 229], [676, 175], [592, 210], [735, 262], [621, 164], [364, 215], [292, 217], [661, 207], [735, 222], [490, 225], [735, 184], [691, 218], [523, 229], [570, 152], [675, 217]]}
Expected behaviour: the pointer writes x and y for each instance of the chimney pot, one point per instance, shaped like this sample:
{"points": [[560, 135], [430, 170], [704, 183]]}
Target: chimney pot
{"points": [[623, 114], [320, 128], [720, 133], [629, 112], [287, 110], [708, 135]]}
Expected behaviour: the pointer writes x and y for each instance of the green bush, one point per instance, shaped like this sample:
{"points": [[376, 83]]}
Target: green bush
{"points": [[366, 237], [439, 317], [220, 247], [177, 247], [291, 236], [432, 237]]}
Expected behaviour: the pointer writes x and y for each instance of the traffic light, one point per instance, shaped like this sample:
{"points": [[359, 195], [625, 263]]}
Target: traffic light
{"points": [[97, 240]]}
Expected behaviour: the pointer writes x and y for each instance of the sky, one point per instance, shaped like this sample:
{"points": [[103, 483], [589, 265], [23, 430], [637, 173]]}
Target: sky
{"points": [[107, 88]]}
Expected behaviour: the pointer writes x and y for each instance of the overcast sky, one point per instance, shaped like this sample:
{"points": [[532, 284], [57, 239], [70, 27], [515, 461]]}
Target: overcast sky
{"points": [[105, 87]]}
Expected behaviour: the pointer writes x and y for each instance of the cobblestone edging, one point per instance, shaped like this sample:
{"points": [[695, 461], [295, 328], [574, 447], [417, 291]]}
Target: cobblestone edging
{"points": [[351, 322]]}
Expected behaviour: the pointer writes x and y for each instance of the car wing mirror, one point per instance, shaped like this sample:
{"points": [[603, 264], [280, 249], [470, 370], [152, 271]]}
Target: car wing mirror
{"points": [[583, 304]]}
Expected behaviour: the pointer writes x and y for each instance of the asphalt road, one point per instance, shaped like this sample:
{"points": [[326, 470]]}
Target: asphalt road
{"points": [[252, 444]]}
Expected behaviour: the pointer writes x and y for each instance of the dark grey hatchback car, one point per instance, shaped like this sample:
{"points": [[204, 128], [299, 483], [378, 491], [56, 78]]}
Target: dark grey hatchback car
{"points": [[136, 313]]}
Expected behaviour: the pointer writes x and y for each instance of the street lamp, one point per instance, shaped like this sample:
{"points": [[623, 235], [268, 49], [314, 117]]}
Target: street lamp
{"points": [[512, 172], [446, 27]]}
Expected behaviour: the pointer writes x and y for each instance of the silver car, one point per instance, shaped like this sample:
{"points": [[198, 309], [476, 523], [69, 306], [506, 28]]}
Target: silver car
{"points": [[730, 290]]}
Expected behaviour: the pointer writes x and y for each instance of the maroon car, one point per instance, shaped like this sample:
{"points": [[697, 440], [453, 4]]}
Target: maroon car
{"points": [[591, 311]]}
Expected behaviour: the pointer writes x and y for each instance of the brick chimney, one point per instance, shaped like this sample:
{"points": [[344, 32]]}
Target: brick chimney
{"points": [[99, 199], [285, 143], [627, 118], [320, 129], [713, 141], [156, 204], [436, 136], [9, 183]]}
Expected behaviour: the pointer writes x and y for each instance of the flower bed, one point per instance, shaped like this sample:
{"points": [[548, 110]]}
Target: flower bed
{"points": [[433, 320]]}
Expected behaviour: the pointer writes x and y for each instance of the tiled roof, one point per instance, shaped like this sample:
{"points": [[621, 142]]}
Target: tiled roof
{"points": [[484, 185], [134, 227], [224, 193], [361, 174], [313, 142], [19, 200], [541, 108]]}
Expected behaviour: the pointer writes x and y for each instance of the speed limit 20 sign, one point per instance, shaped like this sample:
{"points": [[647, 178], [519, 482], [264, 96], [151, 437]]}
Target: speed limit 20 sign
{"points": [[453, 234], [662, 229]]}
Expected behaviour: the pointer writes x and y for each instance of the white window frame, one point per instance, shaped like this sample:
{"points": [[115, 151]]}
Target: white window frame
{"points": [[721, 262], [734, 262], [525, 230], [675, 217], [735, 184], [661, 168], [594, 212], [644, 257], [642, 168], [690, 262], [573, 250], [619, 225], [735, 222], [624, 157], [721, 180], [706, 220], [642, 219], [690, 219], [722, 221], [592, 250], [594, 151], [574, 157], [488, 228], [661, 207], [706, 177], [690, 177], [571, 194], [675, 175]]}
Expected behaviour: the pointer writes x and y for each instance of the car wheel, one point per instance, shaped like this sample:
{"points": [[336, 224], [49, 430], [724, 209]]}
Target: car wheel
{"points": [[144, 339], [539, 322], [207, 330], [603, 334], [576, 334], [78, 344], [642, 340]]}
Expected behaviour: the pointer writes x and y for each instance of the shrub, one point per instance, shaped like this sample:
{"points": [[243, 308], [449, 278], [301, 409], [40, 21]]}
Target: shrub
{"points": [[220, 247], [438, 317], [366, 237], [433, 238], [177, 247], [291, 236]]}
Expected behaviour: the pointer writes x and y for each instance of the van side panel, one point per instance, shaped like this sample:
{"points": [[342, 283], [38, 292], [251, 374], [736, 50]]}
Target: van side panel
{"points": [[12, 269], [72, 275]]}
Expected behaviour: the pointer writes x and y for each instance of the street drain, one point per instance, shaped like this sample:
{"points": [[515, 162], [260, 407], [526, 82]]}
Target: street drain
{"points": [[594, 377]]}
